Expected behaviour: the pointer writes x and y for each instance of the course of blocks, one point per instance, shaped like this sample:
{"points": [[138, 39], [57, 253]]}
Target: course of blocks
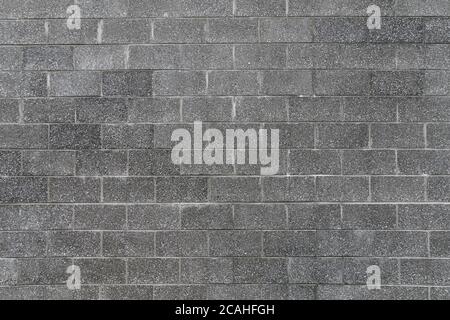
{"points": [[86, 116]]}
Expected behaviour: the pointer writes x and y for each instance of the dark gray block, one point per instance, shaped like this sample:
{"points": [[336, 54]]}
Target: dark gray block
{"points": [[370, 109], [175, 83], [180, 30], [234, 30], [235, 243], [75, 137], [265, 56], [217, 56], [25, 137], [314, 162], [336, 189], [98, 217], [22, 32], [181, 244], [397, 136], [75, 83], [355, 270], [248, 292], [23, 84], [419, 162], [315, 270], [152, 163], [207, 109], [371, 243], [400, 189], [288, 189], [74, 244], [155, 57], [129, 190], [289, 243], [260, 270], [438, 136], [101, 163], [207, 270], [121, 31], [373, 162], [102, 271], [36, 218], [207, 217], [48, 163], [260, 8], [153, 217], [424, 217], [182, 189], [287, 83], [438, 189], [22, 244], [370, 217], [314, 216], [42, 271], [286, 29], [134, 136], [354, 292], [127, 83], [48, 58], [314, 109], [180, 8], [128, 244], [424, 271], [99, 57], [439, 244], [153, 271], [10, 163], [337, 7], [233, 83], [53, 110], [58, 33], [127, 292], [260, 217], [23, 190], [164, 110], [178, 292], [9, 111], [430, 109], [74, 189], [235, 189], [341, 83]]}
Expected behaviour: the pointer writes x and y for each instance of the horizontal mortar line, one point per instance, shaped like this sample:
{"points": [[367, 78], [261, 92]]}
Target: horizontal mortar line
{"points": [[232, 122], [221, 17], [215, 284], [194, 175], [218, 70], [182, 230], [230, 257], [181, 69], [228, 95], [56, 43], [221, 203]]}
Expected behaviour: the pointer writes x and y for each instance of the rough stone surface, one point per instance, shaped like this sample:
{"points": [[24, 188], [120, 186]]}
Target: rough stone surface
{"points": [[86, 170]]}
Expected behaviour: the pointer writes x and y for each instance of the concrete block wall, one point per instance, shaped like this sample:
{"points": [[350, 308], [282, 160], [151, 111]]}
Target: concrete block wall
{"points": [[86, 178]]}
